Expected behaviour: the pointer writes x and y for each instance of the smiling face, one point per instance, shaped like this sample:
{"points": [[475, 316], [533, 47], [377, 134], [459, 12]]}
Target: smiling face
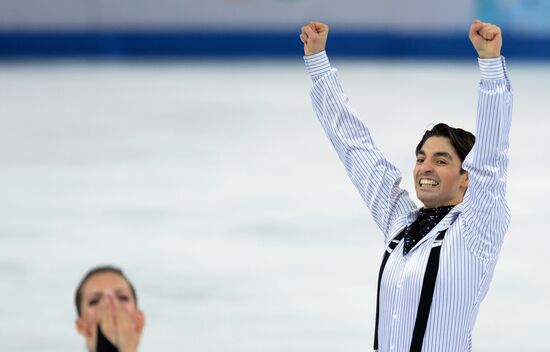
{"points": [[94, 293], [437, 174]]}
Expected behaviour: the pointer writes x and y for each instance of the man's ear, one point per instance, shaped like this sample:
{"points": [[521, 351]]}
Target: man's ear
{"points": [[465, 178]]}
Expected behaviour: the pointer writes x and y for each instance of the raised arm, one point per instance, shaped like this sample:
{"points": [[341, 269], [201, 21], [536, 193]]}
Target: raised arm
{"points": [[486, 214], [376, 179]]}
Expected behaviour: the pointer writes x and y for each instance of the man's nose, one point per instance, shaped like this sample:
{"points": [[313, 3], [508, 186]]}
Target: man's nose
{"points": [[426, 167]]}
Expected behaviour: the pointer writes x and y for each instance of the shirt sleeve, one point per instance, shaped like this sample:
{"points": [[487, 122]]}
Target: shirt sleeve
{"points": [[485, 213], [376, 179]]}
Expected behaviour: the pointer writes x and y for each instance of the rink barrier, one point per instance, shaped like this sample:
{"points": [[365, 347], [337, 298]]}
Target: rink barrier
{"points": [[36, 44]]}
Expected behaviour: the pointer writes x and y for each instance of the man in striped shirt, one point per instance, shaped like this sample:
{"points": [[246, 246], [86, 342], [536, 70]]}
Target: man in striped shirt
{"points": [[439, 259]]}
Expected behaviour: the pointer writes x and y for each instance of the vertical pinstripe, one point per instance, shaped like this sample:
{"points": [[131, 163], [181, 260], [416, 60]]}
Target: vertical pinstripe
{"points": [[475, 227]]}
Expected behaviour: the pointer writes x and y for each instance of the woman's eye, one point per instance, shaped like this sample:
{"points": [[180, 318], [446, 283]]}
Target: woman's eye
{"points": [[123, 298]]}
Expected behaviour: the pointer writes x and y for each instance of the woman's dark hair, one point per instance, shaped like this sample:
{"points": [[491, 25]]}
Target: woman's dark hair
{"points": [[461, 140], [100, 270]]}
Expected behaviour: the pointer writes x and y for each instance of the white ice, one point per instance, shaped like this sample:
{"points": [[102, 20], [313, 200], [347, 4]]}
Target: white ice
{"points": [[214, 187]]}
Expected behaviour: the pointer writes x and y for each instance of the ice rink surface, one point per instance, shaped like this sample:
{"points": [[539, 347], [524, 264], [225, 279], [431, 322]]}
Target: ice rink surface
{"points": [[214, 187]]}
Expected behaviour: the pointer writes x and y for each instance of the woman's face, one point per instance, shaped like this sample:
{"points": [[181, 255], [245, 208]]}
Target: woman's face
{"points": [[98, 286], [96, 292]]}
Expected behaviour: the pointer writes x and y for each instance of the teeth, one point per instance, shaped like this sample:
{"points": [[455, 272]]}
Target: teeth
{"points": [[428, 182]]}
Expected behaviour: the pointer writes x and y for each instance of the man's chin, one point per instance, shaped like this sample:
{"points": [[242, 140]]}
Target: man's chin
{"points": [[427, 202]]}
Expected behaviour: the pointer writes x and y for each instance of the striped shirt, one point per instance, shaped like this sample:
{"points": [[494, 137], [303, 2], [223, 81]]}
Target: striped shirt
{"points": [[475, 227]]}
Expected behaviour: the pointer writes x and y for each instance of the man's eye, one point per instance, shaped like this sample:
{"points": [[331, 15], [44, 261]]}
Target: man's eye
{"points": [[418, 161], [441, 162], [94, 302]]}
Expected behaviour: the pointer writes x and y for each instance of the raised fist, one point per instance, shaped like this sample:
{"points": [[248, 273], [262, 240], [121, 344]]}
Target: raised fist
{"points": [[314, 36], [486, 38]]}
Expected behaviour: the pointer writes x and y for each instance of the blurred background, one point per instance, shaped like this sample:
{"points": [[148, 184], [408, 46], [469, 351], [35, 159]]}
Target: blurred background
{"points": [[176, 139], [129, 28]]}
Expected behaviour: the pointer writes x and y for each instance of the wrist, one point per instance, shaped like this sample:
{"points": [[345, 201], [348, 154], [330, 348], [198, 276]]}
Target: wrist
{"points": [[488, 55], [309, 53]]}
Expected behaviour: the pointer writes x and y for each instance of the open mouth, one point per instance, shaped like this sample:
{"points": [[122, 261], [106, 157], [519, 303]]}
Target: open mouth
{"points": [[427, 183]]}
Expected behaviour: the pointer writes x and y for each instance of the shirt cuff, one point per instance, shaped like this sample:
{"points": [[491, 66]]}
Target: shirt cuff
{"points": [[317, 65], [493, 68]]}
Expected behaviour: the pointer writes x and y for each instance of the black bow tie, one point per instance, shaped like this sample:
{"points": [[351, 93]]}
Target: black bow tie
{"points": [[424, 223]]}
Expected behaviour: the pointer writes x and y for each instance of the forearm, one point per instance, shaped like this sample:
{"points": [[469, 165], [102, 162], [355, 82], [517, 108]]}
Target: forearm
{"points": [[373, 175], [486, 212], [494, 115], [494, 110]]}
